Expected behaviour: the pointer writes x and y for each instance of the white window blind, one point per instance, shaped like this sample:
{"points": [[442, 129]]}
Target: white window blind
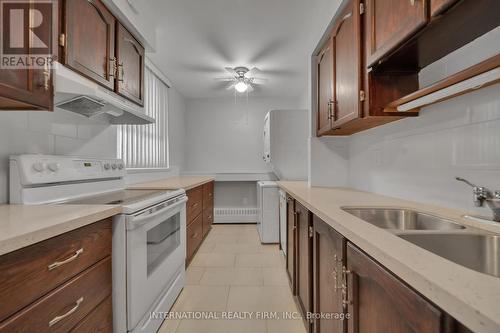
{"points": [[146, 146]]}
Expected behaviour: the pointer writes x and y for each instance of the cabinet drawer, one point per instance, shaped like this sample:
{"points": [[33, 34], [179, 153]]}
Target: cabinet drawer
{"points": [[99, 320], [194, 234], [194, 204], [29, 273], [63, 308], [208, 195]]}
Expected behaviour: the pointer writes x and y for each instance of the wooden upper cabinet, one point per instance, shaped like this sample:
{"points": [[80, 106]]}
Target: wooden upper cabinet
{"points": [[391, 22], [26, 89], [438, 6], [329, 256], [347, 66], [90, 40], [130, 55], [325, 88], [380, 303]]}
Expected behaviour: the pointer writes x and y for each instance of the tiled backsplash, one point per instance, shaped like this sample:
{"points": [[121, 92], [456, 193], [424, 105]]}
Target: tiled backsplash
{"points": [[417, 158], [59, 132]]}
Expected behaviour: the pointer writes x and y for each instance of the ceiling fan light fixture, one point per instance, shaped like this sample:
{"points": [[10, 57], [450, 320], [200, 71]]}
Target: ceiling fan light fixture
{"points": [[241, 87]]}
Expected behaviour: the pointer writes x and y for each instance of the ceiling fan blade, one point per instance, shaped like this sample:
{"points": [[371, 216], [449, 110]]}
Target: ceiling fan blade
{"points": [[250, 88], [224, 79], [254, 71], [258, 80], [231, 86], [231, 70]]}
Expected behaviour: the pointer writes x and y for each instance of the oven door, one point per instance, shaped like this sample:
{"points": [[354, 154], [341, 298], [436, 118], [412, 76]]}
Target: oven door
{"points": [[156, 250]]}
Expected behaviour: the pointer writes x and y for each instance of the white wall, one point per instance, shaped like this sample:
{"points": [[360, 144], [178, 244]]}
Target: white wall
{"points": [[417, 158], [235, 194], [224, 137], [66, 133]]}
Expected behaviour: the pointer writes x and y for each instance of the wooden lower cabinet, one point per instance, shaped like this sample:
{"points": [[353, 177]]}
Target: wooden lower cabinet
{"points": [[194, 234], [55, 286], [304, 259], [199, 217], [98, 321], [328, 260], [290, 242], [380, 303], [332, 277]]}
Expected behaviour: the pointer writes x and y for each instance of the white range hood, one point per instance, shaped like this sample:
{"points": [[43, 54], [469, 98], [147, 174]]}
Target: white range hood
{"points": [[78, 94]]}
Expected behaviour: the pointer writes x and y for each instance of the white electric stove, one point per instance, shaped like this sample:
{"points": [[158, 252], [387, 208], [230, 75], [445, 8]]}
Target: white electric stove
{"points": [[149, 247]]}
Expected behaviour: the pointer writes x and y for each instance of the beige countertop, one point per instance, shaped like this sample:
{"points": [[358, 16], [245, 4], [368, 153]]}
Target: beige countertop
{"points": [[24, 225], [184, 182], [471, 297]]}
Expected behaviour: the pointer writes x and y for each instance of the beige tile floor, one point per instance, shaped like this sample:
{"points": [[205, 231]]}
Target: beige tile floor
{"points": [[233, 273]]}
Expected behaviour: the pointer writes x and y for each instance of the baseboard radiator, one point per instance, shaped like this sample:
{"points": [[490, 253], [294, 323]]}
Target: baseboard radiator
{"points": [[235, 215]]}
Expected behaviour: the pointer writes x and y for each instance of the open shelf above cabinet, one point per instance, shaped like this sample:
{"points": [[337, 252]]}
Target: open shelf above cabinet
{"points": [[478, 76]]}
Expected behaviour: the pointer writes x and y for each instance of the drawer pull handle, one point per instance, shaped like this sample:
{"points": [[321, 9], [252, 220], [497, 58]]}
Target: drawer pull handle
{"points": [[64, 262], [70, 312]]}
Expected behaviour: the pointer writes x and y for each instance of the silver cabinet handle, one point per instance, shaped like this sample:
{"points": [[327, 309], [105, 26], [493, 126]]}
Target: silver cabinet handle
{"points": [[70, 312], [70, 259], [120, 72], [113, 67], [345, 300], [412, 2]]}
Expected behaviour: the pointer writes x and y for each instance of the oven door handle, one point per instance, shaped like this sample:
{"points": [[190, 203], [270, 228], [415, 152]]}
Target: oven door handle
{"points": [[144, 218]]}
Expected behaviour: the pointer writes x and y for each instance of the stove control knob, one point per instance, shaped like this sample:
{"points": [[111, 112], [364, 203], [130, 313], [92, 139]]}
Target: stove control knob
{"points": [[114, 166], [38, 167], [106, 166], [53, 167], [120, 166]]}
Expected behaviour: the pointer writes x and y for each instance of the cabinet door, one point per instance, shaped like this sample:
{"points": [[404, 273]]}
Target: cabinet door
{"points": [[347, 65], [328, 254], [391, 22], [194, 235], [325, 88], [291, 228], [26, 89], [208, 219], [130, 56], [304, 258], [380, 303], [90, 40]]}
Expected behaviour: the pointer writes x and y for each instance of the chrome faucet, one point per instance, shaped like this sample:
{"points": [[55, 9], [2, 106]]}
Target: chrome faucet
{"points": [[482, 195]]}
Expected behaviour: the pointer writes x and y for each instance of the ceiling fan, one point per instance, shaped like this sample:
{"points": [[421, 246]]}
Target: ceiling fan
{"points": [[242, 79]]}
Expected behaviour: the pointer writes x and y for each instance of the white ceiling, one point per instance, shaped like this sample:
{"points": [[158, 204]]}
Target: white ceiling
{"points": [[196, 39]]}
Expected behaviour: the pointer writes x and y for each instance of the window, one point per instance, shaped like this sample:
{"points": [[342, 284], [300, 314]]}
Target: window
{"points": [[146, 146]]}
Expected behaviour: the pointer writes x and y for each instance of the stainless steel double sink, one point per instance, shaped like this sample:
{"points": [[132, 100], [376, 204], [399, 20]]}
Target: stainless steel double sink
{"points": [[466, 246]]}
